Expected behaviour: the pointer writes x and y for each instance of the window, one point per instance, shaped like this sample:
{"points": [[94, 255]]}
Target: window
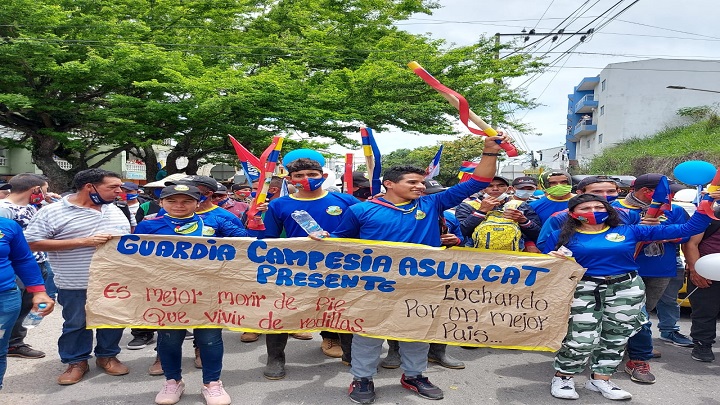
{"points": [[602, 86], [602, 110], [600, 138], [587, 143]]}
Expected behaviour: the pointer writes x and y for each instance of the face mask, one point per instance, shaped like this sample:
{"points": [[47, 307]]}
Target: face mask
{"points": [[242, 194], [500, 197], [123, 196], [524, 194], [309, 183], [97, 199], [203, 198], [157, 192], [267, 196], [37, 197], [222, 202], [131, 196], [362, 193], [611, 198], [591, 218], [559, 190]]}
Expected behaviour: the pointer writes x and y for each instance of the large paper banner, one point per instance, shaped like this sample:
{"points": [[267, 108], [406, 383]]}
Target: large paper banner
{"points": [[408, 292]]}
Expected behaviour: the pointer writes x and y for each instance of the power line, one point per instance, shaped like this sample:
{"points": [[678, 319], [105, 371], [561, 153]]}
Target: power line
{"points": [[543, 14]]}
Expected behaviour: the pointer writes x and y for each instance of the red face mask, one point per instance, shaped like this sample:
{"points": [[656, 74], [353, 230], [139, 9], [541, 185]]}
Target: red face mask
{"points": [[37, 197]]}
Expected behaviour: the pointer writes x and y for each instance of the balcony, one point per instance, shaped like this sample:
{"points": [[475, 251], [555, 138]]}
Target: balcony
{"points": [[582, 129], [64, 164], [134, 170], [588, 83], [586, 104]]}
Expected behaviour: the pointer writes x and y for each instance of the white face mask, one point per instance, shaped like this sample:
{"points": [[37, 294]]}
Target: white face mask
{"points": [[501, 197], [524, 194]]}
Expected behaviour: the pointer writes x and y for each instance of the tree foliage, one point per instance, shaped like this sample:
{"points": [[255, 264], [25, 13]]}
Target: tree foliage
{"points": [[468, 147], [84, 80]]}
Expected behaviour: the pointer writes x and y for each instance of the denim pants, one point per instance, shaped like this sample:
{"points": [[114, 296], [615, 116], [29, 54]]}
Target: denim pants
{"points": [[75, 342], [640, 346], [9, 310], [668, 309], [209, 342], [366, 356]]}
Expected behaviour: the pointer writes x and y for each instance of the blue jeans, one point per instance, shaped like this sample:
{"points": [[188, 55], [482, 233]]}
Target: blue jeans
{"points": [[9, 310], [668, 309], [366, 356], [19, 332], [208, 341], [75, 342]]}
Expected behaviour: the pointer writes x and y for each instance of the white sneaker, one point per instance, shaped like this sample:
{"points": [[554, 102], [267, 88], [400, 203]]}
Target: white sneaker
{"points": [[170, 393], [215, 394], [608, 389], [564, 388]]}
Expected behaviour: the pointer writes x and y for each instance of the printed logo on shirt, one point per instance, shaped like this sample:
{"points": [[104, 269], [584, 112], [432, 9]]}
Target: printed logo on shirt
{"points": [[208, 231], [186, 229], [615, 237], [2, 235], [334, 210], [419, 215]]}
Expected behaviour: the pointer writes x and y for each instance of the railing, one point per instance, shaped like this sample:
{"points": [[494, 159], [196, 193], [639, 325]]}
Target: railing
{"points": [[131, 166], [588, 97], [3, 161], [64, 164]]}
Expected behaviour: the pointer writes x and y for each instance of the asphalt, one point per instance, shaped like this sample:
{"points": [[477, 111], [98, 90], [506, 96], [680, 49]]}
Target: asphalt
{"points": [[491, 377]]}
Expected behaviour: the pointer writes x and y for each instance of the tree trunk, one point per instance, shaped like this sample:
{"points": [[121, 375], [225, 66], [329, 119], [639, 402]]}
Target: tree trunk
{"points": [[151, 163], [42, 152]]}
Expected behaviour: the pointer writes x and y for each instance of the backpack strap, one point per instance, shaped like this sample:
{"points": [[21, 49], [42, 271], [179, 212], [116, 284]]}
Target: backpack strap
{"points": [[711, 229]]}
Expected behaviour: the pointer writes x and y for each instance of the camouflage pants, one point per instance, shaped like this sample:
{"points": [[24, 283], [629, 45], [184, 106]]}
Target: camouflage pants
{"points": [[598, 331]]}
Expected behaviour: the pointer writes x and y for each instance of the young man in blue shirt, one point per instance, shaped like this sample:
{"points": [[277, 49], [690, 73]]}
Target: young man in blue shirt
{"points": [[326, 208], [403, 214], [557, 186]]}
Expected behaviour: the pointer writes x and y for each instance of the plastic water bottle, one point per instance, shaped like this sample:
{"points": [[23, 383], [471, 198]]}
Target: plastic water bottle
{"points": [[306, 222], [33, 318]]}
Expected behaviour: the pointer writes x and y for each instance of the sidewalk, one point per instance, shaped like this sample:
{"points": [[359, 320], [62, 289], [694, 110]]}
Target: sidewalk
{"points": [[490, 377]]}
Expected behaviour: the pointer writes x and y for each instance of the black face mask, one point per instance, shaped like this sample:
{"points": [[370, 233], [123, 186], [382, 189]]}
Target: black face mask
{"points": [[362, 193], [97, 199]]}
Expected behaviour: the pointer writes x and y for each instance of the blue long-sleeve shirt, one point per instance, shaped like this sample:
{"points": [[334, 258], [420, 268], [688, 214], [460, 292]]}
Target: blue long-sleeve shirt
{"points": [[556, 221], [413, 222], [610, 252], [16, 259]]}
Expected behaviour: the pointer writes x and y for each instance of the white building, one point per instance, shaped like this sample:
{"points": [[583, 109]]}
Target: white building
{"points": [[632, 100]]}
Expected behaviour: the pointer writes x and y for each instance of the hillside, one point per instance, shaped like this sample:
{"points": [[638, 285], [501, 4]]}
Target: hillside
{"points": [[662, 152]]}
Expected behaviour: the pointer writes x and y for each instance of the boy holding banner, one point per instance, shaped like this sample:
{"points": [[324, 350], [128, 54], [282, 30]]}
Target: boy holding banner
{"points": [[405, 215], [180, 203], [326, 208]]}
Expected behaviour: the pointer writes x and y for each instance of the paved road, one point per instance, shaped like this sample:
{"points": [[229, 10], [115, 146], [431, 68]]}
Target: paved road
{"points": [[491, 377]]}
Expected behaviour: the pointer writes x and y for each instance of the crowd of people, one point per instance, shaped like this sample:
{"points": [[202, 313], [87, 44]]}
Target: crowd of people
{"points": [[47, 242]]}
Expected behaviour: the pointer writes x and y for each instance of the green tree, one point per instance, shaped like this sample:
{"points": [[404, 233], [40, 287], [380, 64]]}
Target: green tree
{"points": [[84, 80], [466, 148]]}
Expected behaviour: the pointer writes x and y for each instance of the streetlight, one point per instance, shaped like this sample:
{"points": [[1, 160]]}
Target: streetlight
{"points": [[690, 88]]}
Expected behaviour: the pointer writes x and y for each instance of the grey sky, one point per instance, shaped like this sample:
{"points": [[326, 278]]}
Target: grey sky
{"points": [[624, 39]]}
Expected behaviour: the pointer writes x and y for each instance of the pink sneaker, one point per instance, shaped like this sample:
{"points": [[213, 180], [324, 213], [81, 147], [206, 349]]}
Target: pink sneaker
{"points": [[215, 394], [170, 393]]}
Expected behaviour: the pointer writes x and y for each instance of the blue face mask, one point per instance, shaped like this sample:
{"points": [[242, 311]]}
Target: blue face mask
{"points": [[309, 183], [97, 199], [524, 194], [131, 196], [222, 202], [157, 192], [203, 198], [592, 218], [611, 198]]}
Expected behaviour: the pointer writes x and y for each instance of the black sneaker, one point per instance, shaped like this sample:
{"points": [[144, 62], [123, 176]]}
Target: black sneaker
{"points": [[422, 386], [701, 352], [25, 351], [140, 342], [362, 391]]}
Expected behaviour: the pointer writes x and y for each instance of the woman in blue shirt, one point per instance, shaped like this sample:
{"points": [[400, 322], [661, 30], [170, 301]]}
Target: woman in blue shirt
{"points": [[607, 307]]}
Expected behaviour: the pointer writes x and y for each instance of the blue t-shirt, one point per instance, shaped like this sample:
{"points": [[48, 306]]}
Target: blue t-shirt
{"points": [[547, 206], [557, 220], [221, 215], [326, 210], [664, 265], [16, 259], [414, 222], [212, 226], [610, 252]]}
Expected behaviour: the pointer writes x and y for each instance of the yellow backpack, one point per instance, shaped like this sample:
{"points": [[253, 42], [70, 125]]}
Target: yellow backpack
{"points": [[496, 232]]}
